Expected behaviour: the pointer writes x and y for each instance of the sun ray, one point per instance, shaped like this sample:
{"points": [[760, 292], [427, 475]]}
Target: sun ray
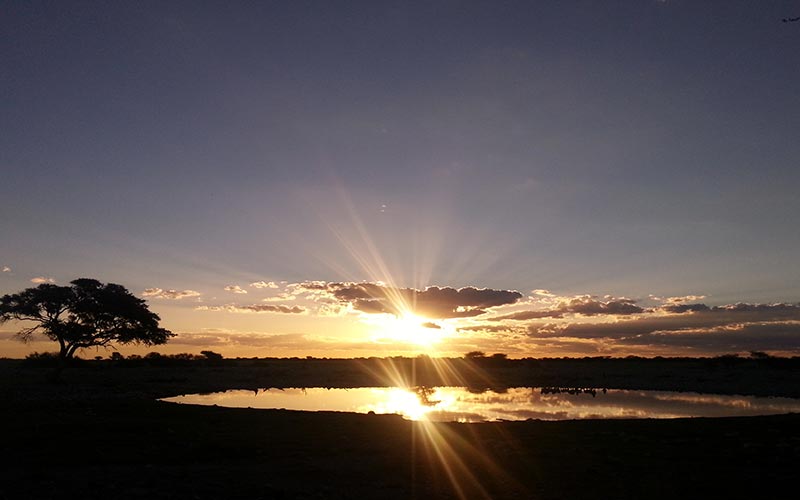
{"points": [[407, 327]]}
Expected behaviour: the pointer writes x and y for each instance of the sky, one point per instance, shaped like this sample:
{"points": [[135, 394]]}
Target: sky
{"points": [[349, 179]]}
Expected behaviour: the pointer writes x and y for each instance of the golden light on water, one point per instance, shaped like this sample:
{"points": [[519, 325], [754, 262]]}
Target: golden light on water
{"points": [[458, 404], [406, 402]]}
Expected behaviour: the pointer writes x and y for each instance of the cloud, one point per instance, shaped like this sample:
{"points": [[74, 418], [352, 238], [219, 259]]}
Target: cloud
{"points": [[492, 329], [264, 284], [740, 312], [255, 308], [770, 336], [528, 315], [682, 308], [431, 324], [281, 297], [41, 279], [158, 293], [583, 305], [249, 339], [298, 343], [684, 298], [6, 269], [676, 319], [235, 289], [432, 302]]}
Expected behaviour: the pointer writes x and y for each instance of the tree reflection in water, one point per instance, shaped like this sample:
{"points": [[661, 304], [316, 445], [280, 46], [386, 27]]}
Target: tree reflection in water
{"points": [[424, 394]]}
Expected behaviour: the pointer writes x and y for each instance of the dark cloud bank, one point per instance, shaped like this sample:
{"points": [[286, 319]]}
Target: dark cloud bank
{"points": [[585, 306], [433, 302], [696, 326]]}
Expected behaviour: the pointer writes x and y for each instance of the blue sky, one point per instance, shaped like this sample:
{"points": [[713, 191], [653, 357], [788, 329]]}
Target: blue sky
{"points": [[644, 148]]}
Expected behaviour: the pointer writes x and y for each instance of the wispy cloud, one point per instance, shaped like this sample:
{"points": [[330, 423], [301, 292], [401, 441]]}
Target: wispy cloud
{"points": [[235, 289], [254, 308], [494, 328], [680, 299], [281, 297], [41, 279], [297, 343], [264, 284], [158, 293]]}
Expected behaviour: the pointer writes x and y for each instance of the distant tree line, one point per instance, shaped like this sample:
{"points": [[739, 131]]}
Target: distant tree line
{"points": [[151, 358], [478, 358]]}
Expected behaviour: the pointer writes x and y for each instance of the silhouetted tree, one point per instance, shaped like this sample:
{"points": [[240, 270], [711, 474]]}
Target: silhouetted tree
{"points": [[87, 313], [211, 355], [475, 355]]}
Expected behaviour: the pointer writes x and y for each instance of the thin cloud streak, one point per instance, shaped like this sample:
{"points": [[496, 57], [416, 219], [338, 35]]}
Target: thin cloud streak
{"points": [[158, 293], [264, 284], [254, 308]]}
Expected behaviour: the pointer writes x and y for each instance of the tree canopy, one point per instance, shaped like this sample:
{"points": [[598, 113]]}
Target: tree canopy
{"points": [[87, 313]]}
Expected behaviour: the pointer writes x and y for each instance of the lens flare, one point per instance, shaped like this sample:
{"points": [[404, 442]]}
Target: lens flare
{"points": [[407, 327]]}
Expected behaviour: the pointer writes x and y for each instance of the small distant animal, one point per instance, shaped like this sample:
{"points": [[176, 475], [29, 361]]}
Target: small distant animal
{"points": [[790, 19]]}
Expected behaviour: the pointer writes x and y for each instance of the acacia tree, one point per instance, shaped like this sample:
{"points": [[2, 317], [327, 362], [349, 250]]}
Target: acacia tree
{"points": [[87, 313]]}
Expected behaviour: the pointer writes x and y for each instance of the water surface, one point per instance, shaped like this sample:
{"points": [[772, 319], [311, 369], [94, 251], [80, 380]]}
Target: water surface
{"points": [[457, 404]]}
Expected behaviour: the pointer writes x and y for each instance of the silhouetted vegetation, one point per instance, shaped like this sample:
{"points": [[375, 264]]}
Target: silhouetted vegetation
{"points": [[760, 376], [85, 314], [475, 355], [51, 359], [211, 355], [424, 394], [573, 391]]}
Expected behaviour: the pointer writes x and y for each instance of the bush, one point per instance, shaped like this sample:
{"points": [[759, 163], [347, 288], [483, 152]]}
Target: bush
{"points": [[211, 355], [47, 359]]}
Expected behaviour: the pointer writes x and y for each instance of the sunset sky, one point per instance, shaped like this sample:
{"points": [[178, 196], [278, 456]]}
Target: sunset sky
{"points": [[350, 179]]}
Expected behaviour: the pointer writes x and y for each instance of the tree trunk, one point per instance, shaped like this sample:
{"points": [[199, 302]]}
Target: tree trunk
{"points": [[64, 355], [70, 352]]}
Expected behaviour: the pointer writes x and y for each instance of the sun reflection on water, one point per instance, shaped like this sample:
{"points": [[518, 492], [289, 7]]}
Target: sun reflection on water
{"points": [[399, 401]]}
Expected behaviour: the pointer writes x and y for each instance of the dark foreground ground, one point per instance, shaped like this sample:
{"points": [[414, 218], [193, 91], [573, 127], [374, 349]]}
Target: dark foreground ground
{"points": [[100, 433]]}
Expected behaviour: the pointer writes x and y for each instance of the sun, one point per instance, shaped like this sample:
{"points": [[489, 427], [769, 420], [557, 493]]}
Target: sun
{"points": [[408, 327]]}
